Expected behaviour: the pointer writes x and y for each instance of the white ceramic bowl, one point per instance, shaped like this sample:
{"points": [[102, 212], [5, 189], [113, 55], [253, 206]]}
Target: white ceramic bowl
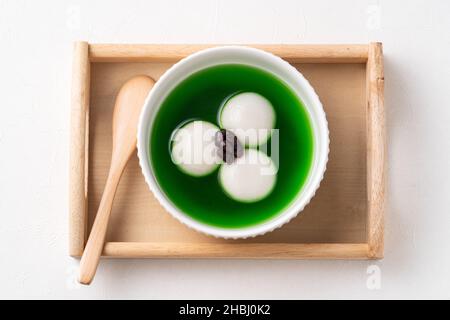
{"points": [[256, 58]]}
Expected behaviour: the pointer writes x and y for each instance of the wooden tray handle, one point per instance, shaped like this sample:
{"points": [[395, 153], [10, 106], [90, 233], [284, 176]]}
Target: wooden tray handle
{"points": [[376, 151]]}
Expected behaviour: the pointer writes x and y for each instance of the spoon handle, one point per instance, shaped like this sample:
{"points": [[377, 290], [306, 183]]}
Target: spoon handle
{"points": [[94, 247]]}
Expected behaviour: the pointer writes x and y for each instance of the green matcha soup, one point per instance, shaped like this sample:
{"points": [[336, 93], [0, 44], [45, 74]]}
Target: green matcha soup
{"points": [[201, 97]]}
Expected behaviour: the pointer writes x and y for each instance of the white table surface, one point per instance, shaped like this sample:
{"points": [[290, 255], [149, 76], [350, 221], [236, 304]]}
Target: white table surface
{"points": [[35, 73]]}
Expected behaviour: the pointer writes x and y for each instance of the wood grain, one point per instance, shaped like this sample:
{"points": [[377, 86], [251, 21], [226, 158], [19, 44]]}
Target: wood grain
{"points": [[334, 225], [79, 143], [127, 109], [228, 250], [170, 53], [376, 151], [337, 213]]}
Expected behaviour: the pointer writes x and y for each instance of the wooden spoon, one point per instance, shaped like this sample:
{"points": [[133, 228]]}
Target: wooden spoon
{"points": [[127, 108]]}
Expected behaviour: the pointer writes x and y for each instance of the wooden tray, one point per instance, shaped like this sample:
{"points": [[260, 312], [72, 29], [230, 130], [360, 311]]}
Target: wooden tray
{"points": [[343, 221]]}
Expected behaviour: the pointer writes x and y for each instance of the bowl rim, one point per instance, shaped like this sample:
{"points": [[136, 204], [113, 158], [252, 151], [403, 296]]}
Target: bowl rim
{"points": [[313, 106]]}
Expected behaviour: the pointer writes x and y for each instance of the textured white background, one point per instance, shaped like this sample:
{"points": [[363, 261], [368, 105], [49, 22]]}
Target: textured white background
{"points": [[35, 72]]}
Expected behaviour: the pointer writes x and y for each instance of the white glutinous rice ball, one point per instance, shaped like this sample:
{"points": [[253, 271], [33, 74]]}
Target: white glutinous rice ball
{"points": [[193, 149], [249, 116], [250, 178]]}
